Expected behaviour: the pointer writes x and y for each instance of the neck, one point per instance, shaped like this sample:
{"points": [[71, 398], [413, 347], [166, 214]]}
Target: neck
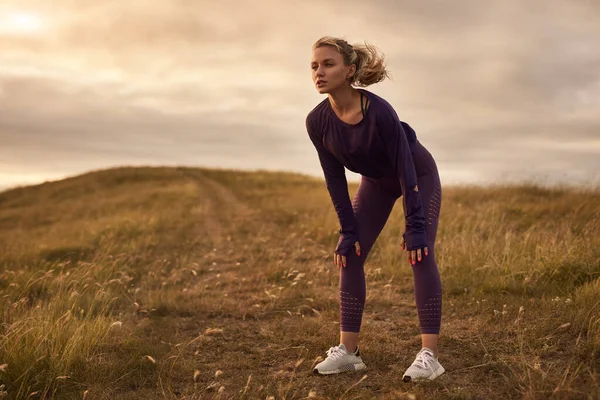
{"points": [[343, 98]]}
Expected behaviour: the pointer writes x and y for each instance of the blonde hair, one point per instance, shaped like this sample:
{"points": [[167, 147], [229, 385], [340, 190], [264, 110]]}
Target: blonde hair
{"points": [[370, 63]]}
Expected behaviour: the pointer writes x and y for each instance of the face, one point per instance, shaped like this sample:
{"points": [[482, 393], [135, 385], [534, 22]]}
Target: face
{"points": [[328, 70]]}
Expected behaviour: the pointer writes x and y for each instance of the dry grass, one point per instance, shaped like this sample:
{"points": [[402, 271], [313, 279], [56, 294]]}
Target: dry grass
{"points": [[200, 284]]}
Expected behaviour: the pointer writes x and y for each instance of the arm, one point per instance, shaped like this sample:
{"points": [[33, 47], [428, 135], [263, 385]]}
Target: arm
{"points": [[398, 151], [335, 178]]}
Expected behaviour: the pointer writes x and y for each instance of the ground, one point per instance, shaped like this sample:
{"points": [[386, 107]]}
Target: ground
{"points": [[193, 283]]}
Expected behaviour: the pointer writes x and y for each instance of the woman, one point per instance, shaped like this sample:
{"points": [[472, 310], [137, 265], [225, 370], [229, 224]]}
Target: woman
{"points": [[359, 130]]}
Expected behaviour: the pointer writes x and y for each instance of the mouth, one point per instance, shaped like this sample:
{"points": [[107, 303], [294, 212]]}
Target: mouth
{"points": [[321, 82]]}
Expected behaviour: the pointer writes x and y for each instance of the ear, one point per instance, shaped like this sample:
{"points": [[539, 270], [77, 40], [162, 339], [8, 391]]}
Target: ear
{"points": [[351, 71]]}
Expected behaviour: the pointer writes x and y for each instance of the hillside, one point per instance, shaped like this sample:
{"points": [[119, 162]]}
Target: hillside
{"points": [[198, 284]]}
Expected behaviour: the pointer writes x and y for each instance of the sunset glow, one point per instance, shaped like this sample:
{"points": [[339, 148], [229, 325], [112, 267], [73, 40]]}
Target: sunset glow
{"points": [[18, 23], [498, 92]]}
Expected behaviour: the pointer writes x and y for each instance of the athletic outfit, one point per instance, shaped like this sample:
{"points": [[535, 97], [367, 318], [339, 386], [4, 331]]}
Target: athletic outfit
{"points": [[393, 163]]}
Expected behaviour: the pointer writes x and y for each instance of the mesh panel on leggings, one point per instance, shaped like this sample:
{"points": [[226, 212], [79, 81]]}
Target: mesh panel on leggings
{"points": [[434, 205], [351, 310], [430, 315]]}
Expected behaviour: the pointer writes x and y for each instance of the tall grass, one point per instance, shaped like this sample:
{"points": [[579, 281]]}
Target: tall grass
{"points": [[195, 283]]}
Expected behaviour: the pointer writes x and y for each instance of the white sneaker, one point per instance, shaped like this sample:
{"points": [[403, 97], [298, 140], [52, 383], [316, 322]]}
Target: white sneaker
{"points": [[340, 360], [425, 366]]}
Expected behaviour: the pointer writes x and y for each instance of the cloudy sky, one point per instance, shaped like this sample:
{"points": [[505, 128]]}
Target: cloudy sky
{"points": [[497, 91]]}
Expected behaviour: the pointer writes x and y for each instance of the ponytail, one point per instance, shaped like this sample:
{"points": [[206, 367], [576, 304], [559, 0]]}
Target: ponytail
{"points": [[370, 65]]}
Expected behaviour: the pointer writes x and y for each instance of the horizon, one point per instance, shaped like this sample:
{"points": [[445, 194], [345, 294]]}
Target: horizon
{"points": [[590, 185], [498, 93]]}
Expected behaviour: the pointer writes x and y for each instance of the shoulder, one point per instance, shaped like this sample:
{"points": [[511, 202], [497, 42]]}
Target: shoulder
{"points": [[315, 117], [382, 109], [317, 113], [388, 118]]}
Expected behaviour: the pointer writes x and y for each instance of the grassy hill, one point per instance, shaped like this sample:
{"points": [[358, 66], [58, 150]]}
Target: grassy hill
{"points": [[198, 284]]}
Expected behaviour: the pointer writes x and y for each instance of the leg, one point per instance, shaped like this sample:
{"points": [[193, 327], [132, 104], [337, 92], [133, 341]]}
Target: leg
{"points": [[427, 282], [372, 206], [428, 286]]}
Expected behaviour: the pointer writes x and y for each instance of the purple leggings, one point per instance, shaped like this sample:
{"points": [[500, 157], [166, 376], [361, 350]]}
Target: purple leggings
{"points": [[372, 206]]}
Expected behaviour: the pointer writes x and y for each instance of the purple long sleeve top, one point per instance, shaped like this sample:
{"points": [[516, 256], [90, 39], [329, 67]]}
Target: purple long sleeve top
{"points": [[378, 146]]}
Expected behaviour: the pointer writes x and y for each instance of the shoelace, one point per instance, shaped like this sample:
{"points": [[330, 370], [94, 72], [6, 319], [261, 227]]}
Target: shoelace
{"points": [[424, 359], [335, 352]]}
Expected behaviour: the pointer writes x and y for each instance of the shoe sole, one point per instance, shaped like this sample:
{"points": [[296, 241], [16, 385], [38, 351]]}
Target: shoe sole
{"points": [[346, 368], [436, 373]]}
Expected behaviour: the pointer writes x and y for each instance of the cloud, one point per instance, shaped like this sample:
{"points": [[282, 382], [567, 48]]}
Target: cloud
{"points": [[488, 86]]}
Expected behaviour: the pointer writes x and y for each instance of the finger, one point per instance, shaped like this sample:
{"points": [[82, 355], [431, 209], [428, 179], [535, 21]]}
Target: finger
{"points": [[402, 244], [426, 251], [357, 248], [344, 261], [335, 260], [419, 254], [413, 256]]}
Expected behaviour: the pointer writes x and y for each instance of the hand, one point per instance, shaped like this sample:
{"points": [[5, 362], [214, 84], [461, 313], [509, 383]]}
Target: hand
{"points": [[413, 255], [340, 261]]}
